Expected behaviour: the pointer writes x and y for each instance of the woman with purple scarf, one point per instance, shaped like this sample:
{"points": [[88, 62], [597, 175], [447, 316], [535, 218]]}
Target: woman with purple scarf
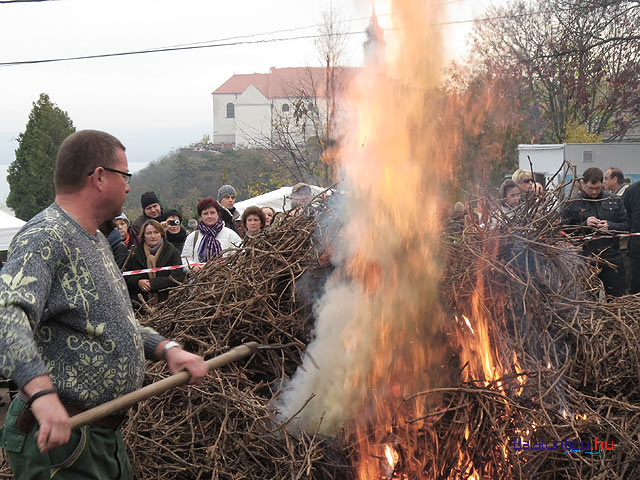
{"points": [[211, 237]]}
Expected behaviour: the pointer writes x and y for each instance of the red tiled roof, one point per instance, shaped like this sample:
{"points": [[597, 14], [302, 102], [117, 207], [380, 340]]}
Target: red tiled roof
{"points": [[285, 82]]}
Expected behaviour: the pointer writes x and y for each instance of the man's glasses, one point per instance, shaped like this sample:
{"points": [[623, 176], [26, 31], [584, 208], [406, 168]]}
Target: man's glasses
{"points": [[127, 176]]}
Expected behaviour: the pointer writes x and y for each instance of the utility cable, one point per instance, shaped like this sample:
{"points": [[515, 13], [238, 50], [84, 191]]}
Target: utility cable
{"points": [[172, 49], [200, 45]]}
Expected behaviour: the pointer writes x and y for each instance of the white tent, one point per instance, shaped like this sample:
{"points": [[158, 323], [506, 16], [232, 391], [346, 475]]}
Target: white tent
{"points": [[275, 199], [9, 226]]}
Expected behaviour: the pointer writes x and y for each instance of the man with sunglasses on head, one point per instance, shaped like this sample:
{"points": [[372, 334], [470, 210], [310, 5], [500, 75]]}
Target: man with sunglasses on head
{"points": [[595, 212], [68, 335]]}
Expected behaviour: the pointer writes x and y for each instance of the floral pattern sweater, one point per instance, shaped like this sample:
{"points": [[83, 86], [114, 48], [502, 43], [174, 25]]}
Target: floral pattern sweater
{"points": [[65, 311]]}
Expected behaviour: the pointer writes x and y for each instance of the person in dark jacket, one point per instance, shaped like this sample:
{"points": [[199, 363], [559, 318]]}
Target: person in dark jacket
{"points": [[129, 234], [176, 233], [151, 210], [595, 212], [229, 214], [154, 251], [631, 200], [114, 237]]}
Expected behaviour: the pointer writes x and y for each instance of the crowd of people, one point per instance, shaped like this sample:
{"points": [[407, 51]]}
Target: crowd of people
{"points": [[161, 238], [605, 209]]}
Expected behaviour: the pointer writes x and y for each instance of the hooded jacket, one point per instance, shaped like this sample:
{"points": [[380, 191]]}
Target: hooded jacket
{"points": [[229, 217]]}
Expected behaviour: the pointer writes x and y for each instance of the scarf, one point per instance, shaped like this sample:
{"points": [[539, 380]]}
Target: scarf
{"points": [[177, 237], [152, 255], [210, 246]]}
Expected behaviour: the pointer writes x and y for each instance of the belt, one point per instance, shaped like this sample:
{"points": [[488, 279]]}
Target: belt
{"points": [[26, 420]]}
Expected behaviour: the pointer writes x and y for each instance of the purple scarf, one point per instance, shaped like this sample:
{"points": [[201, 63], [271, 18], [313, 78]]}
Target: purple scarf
{"points": [[209, 246]]}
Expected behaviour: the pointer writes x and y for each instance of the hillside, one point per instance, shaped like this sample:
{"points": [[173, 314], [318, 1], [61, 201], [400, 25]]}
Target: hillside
{"points": [[183, 177]]}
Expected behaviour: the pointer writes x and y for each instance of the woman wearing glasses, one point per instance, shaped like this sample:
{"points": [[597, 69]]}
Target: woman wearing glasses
{"points": [[211, 237], [154, 251]]}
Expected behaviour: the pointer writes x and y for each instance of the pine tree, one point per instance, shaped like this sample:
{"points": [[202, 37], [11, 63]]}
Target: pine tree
{"points": [[30, 176]]}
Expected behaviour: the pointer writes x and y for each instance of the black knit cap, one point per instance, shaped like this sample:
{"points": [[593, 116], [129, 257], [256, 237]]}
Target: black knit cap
{"points": [[148, 198]]}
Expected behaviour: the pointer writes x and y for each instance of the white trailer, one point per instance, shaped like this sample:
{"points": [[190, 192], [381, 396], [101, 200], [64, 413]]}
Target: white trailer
{"points": [[547, 159]]}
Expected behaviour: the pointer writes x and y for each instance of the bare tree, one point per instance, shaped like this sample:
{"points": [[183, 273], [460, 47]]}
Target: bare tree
{"points": [[331, 47], [579, 60], [303, 138]]}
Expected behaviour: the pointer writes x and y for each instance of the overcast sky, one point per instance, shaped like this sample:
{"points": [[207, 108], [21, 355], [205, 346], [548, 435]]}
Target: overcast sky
{"points": [[157, 101]]}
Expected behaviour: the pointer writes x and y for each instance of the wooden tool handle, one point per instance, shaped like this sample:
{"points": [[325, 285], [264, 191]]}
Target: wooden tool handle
{"points": [[157, 388]]}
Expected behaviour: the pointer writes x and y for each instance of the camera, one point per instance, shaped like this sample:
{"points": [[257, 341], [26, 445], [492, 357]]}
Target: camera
{"points": [[173, 223]]}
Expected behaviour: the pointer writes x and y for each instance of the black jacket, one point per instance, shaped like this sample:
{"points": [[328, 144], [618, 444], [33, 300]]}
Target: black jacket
{"points": [[138, 222], [605, 207], [229, 217], [177, 239], [163, 280], [119, 249], [631, 199]]}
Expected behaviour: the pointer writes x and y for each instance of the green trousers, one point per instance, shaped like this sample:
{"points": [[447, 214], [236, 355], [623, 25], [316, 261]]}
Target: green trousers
{"points": [[92, 453]]}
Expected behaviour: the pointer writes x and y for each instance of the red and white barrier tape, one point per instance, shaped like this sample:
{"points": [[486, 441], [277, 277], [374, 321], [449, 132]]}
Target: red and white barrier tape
{"points": [[159, 269], [617, 235]]}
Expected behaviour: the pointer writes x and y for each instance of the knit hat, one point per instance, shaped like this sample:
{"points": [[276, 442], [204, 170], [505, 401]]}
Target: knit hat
{"points": [[122, 216], [148, 198], [225, 190]]}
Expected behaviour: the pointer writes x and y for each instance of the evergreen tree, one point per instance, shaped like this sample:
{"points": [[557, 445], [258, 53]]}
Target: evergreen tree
{"points": [[30, 176]]}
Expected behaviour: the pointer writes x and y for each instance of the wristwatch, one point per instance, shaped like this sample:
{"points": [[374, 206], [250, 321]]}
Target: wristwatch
{"points": [[168, 346]]}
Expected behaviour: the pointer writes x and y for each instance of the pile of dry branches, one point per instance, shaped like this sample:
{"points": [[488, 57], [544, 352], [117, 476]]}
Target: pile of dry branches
{"points": [[567, 360], [224, 428]]}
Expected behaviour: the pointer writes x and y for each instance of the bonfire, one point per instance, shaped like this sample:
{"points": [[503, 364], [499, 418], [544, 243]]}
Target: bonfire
{"points": [[391, 347]]}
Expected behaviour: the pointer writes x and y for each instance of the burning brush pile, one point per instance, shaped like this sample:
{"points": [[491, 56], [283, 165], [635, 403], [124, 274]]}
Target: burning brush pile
{"points": [[545, 381]]}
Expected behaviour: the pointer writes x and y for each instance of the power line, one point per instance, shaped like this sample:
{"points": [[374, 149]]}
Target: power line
{"points": [[286, 30], [171, 49], [214, 44], [25, 1]]}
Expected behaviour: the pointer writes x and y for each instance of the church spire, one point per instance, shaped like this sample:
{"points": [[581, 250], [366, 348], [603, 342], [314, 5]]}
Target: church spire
{"points": [[374, 45]]}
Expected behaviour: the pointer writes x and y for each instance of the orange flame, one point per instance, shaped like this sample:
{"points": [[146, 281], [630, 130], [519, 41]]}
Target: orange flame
{"points": [[392, 456], [397, 161]]}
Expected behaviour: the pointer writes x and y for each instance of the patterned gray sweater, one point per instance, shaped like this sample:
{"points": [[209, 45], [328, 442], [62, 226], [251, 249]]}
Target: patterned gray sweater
{"points": [[64, 310]]}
